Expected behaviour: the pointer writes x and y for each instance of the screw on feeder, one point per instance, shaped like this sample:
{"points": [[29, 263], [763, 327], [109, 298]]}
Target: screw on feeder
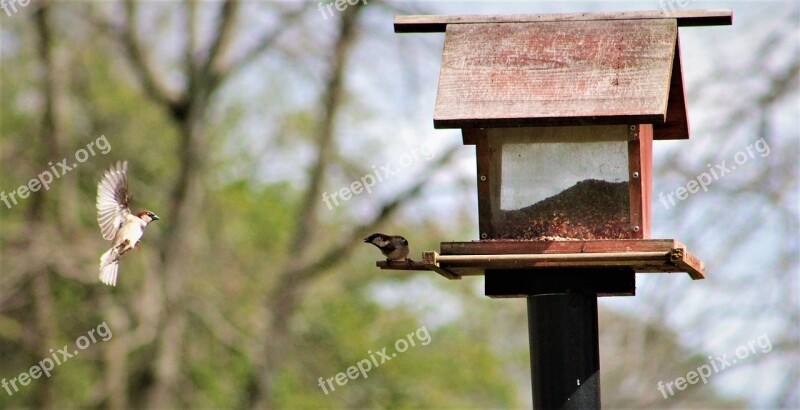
{"points": [[636, 175], [636, 228], [483, 178], [633, 133], [484, 236]]}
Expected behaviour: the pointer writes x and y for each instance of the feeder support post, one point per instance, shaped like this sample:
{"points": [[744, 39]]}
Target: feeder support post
{"points": [[565, 354]]}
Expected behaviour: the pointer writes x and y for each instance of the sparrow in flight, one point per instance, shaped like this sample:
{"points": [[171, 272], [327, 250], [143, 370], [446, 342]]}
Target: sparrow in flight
{"points": [[394, 248], [117, 223]]}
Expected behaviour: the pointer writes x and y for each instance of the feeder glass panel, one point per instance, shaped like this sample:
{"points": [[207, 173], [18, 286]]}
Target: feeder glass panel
{"points": [[561, 182]]}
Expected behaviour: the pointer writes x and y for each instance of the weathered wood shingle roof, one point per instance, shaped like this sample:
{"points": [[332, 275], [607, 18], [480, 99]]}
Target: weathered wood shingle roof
{"points": [[589, 68]]}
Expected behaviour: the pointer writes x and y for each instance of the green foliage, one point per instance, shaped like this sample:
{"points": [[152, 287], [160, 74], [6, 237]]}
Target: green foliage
{"points": [[346, 327]]}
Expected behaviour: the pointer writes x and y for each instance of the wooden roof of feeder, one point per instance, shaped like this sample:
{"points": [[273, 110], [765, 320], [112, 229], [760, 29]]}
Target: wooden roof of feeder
{"points": [[563, 69]]}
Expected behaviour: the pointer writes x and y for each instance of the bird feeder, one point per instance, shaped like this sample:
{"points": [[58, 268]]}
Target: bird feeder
{"points": [[562, 110]]}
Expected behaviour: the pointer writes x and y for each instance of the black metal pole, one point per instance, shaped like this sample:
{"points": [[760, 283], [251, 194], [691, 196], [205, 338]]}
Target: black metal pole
{"points": [[565, 354]]}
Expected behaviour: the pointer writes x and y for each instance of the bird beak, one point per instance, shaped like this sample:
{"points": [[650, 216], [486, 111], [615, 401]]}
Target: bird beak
{"points": [[155, 217]]}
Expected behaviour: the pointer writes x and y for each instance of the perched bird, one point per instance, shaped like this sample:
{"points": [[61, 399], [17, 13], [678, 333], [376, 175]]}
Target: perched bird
{"points": [[117, 223], [394, 248]]}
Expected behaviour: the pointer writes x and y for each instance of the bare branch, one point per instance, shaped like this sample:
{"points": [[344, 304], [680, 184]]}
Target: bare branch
{"points": [[337, 254], [222, 329], [153, 86], [221, 44], [191, 38], [224, 71], [340, 252], [307, 221]]}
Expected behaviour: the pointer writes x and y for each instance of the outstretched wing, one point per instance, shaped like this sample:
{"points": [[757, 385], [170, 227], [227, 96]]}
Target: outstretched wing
{"points": [[112, 199]]}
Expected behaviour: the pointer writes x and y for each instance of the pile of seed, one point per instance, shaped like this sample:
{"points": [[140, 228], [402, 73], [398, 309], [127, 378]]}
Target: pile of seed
{"points": [[591, 209]]}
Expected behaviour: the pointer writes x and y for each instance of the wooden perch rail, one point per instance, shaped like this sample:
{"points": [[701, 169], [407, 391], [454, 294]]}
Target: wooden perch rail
{"points": [[469, 260], [474, 258]]}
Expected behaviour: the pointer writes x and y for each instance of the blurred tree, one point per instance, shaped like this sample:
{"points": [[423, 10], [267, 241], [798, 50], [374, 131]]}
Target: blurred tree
{"points": [[155, 320], [250, 306]]}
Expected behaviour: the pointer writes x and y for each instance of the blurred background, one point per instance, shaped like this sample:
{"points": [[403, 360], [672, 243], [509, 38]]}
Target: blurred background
{"points": [[236, 118]]}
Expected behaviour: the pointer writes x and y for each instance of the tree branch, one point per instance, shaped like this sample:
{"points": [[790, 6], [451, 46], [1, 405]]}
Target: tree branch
{"points": [[153, 86], [340, 252], [191, 38], [307, 220], [221, 44], [223, 71], [285, 294]]}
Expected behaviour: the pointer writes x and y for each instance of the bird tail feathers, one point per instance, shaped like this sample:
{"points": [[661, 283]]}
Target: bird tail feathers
{"points": [[109, 267]]}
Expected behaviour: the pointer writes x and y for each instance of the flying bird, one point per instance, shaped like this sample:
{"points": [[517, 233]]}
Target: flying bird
{"points": [[117, 223], [394, 248]]}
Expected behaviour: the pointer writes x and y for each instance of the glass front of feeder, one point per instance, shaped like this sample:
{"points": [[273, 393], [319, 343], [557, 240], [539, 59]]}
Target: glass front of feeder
{"points": [[561, 183]]}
